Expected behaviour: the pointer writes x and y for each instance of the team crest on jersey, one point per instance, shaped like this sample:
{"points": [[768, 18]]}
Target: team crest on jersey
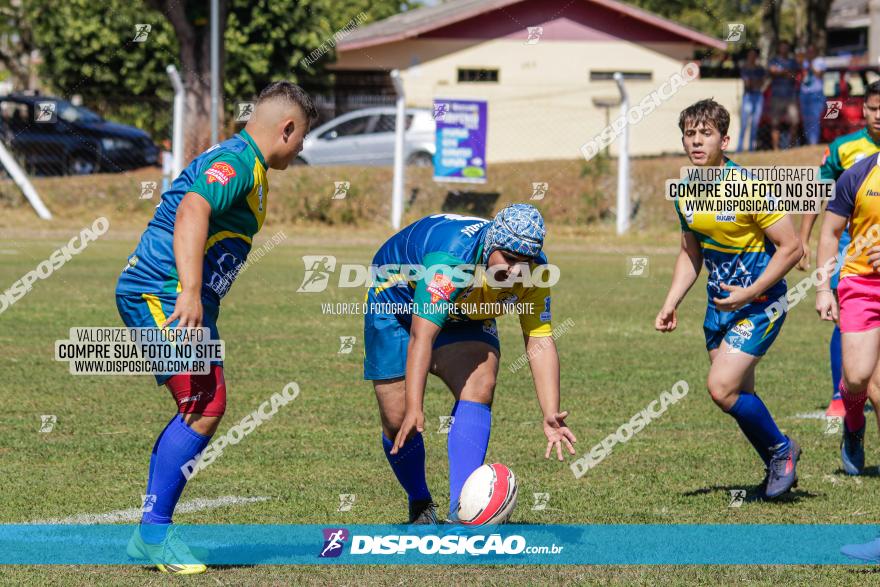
{"points": [[221, 172], [744, 328], [440, 288], [725, 217], [227, 268]]}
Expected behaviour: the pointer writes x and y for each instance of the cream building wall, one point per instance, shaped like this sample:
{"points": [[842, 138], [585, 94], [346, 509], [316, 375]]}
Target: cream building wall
{"points": [[542, 106]]}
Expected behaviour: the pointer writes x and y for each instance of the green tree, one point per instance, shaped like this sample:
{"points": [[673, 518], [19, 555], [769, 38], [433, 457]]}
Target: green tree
{"points": [[17, 45], [88, 48]]}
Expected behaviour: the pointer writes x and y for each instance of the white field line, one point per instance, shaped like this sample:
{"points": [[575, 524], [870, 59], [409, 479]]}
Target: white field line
{"points": [[134, 514]]}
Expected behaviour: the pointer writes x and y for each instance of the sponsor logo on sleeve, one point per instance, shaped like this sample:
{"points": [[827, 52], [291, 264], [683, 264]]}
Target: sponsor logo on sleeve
{"points": [[221, 172], [440, 288], [545, 315]]}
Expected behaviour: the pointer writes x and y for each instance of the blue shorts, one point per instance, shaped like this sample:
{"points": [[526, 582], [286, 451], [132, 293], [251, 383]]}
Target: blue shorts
{"points": [[845, 239], [748, 329], [151, 310], [386, 337]]}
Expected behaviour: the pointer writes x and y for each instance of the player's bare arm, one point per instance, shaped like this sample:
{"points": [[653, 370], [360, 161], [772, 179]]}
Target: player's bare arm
{"points": [[788, 252], [190, 235], [807, 222], [544, 363], [833, 226], [418, 362], [684, 275]]}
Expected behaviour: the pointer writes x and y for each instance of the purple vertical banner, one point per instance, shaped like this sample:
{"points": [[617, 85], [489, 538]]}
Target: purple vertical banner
{"points": [[460, 140]]}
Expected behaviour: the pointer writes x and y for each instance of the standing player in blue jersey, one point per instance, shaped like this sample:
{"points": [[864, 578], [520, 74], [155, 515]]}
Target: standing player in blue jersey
{"points": [[841, 154], [451, 332], [193, 248], [747, 257]]}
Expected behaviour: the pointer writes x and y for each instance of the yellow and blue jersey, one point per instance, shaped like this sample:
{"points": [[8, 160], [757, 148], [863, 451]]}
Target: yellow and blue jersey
{"points": [[845, 151], [231, 176], [735, 250], [857, 197]]}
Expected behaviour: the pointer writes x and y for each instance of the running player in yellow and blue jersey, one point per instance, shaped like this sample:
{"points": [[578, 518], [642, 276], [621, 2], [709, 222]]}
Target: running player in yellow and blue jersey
{"points": [[434, 310], [747, 257], [841, 154], [187, 258]]}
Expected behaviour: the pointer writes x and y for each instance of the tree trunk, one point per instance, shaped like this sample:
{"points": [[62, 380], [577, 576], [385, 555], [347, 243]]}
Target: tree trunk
{"points": [[195, 66], [769, 30], [816, 31]]}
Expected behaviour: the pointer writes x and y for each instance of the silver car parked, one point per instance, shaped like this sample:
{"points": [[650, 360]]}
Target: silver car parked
{"points": [[366, 137]]}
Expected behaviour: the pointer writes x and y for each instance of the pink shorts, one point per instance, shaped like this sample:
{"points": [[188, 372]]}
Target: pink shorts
{"points": [[859, 298]]}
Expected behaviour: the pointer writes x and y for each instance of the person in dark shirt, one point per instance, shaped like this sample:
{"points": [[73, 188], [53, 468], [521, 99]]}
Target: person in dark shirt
{"points": [[783, 96], [754, 77]]}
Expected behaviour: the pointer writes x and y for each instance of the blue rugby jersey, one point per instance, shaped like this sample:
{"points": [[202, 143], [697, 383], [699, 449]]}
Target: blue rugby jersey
{"points": [[231, 176]]}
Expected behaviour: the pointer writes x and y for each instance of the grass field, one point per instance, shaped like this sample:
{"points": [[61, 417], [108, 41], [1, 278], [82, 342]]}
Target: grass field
{"points": [[678, 470]]}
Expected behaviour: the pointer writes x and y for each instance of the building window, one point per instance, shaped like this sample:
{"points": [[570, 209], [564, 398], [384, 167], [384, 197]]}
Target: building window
{"points": [[601, 75], [477, 75]]}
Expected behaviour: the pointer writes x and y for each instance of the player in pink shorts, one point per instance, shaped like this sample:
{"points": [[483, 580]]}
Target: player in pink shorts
{"points": [[857, 201], [860, 294]]}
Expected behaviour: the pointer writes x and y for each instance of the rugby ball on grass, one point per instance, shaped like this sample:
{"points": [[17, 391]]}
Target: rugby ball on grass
{"points": [[488, 496]]}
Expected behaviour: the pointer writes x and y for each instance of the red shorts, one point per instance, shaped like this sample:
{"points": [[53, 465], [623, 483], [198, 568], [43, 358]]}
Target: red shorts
{"points": [[859, 297], [199, 394]]}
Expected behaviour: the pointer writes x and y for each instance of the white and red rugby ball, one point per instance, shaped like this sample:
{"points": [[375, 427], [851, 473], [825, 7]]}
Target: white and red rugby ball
{"points": [[488, 496]]}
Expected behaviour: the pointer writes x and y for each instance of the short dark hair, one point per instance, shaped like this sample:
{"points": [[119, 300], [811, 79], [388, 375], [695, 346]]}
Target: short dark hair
{"points": [[708, 112], [290, 92], [873, 89]]}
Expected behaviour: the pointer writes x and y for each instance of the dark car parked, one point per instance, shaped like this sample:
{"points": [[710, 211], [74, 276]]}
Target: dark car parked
{"points": [[51, 136]]}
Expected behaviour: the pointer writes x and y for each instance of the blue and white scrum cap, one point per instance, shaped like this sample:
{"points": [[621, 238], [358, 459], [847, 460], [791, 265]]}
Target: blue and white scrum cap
{"points": [[518, 228]]}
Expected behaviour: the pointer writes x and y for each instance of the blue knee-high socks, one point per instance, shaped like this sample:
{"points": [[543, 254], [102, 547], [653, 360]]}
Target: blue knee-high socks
{"points": [[176, 445], [467, 444], [757, 424], [409, 466]]}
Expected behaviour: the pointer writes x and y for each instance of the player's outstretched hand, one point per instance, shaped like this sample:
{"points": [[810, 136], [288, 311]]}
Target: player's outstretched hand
{"points": [[188, 310], [739, 297], [667, 320], [826, 305], [804, 263], [412, 422], [558, 433]]}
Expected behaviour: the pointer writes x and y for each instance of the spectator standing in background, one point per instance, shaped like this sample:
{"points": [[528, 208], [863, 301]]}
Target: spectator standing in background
{"points": [[812, 96], [754, 77], [783, 96]]}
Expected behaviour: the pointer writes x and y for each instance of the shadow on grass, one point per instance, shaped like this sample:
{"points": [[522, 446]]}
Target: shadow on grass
{"points": [[870, 471], [872, 571], [754, 493]]}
